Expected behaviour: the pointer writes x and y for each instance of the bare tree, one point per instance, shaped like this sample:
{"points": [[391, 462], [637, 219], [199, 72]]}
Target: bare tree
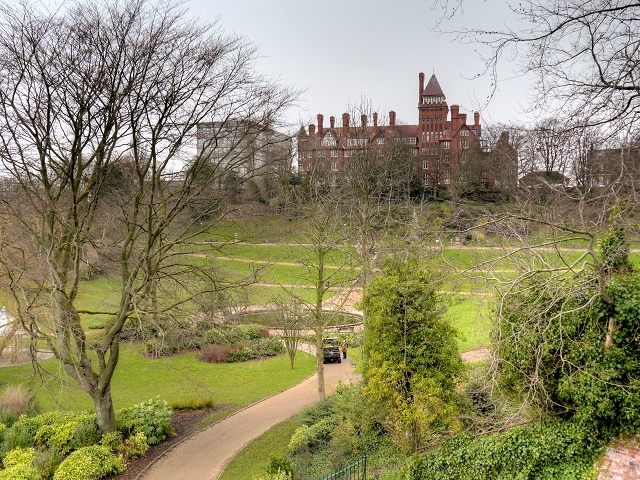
{"points": [[88, 86], [323, 238], [583, 55]]}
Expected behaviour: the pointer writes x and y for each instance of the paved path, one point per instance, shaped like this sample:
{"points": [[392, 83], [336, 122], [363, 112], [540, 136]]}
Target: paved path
{"points": [[204, 456]]}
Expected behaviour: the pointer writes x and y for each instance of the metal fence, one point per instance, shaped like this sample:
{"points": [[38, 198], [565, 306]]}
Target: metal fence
{"points": [[355, 471]]}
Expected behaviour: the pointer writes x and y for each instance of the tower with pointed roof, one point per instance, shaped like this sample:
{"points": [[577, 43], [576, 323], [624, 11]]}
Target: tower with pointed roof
{"points": [[447, 151]]}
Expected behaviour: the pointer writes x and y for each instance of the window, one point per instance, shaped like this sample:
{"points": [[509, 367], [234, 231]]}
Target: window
{"points": [[446, 145], [380, 141], [300, 166], [310, 154], [415, 151], [464, 133], [425, 179], [347, 153], [329, 140], [446, 159], [352, 142], [425, 164], [334, 153], [409, 140], [464, 144], [334, 166], [309, 167], [447, 177], [320, 153]]}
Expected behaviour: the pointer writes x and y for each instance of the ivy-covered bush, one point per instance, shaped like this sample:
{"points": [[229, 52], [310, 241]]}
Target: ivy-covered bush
{"points": [[551, 449], [577, 346], [153, 418], [89, 463]]}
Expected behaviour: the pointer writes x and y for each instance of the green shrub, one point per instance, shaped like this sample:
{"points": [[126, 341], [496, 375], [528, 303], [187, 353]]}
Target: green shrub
{"points": [[269, 347], [68, 432], [19, 456], [312, 436], [251, 331], [279, 463], [276, 476], [86, 433], [20, 472], [112, 440], [18, 465], [135, 446], [242, 355], [18, 435], [153, 418], [7, 416], [47, 462], [89, 463]]}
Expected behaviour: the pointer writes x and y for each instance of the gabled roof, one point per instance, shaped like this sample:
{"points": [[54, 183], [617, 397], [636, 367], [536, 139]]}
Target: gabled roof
{"points": [[433, 87]]}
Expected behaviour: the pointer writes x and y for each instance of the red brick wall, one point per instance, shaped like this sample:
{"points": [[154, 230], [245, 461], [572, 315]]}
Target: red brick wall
{"points": [[621, 461]]}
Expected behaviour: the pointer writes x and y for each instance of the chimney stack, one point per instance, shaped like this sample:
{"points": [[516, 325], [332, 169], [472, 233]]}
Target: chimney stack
{"points": [[454, 116], [421, 76], [476, 119], [392, 120], [363, 119], [463, 119], [312, 129], [320, 119], [375, 119], [345, 124], [332, 122]]}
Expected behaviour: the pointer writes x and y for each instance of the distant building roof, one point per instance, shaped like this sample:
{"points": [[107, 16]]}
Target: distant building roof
{"points": [[433, 87]]}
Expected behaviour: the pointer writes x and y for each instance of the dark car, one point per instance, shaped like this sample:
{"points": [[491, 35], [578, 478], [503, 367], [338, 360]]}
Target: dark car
{"points": [[331, 350]]}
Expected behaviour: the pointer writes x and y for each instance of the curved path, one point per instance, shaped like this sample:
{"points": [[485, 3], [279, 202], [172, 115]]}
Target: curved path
{"points": [[204, 455]]}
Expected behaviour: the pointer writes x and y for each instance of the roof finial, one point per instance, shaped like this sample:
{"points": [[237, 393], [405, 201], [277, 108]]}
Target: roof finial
{"points": [[434, 70]]}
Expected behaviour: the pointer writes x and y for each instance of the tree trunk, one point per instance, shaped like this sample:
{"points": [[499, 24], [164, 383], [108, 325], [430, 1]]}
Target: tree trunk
{"points": [[104, 410], [320, 367], [608, 343]]}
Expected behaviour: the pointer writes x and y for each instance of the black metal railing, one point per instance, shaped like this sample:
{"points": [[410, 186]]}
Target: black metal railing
{"points": [[354, 471]]}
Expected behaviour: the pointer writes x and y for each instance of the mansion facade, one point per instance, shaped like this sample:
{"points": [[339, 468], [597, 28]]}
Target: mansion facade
{"points": [[445, 147]]}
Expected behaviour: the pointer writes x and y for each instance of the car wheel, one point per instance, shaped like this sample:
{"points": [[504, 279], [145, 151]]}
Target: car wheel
{"points": [[339, 360]]}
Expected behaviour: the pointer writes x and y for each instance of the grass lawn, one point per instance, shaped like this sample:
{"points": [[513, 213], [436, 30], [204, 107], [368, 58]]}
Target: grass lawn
{"points": [[180, 377], [252, 460], [471, 317]]}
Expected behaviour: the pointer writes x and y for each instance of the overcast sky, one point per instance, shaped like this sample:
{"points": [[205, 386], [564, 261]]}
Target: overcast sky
{"points": [[339, 51]]}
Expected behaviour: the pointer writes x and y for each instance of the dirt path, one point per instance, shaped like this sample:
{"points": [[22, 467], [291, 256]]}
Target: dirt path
{"points": [[204, 455]]}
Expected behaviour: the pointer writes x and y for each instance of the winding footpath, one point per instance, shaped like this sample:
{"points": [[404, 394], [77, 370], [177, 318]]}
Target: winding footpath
{"points": [[204, 455]]}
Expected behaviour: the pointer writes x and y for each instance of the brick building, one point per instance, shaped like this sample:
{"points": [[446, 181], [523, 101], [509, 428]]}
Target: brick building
{"points": [[447, 150]]}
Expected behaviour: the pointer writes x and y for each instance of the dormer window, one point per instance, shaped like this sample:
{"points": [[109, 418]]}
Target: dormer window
{"points": [[329, 140]]}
